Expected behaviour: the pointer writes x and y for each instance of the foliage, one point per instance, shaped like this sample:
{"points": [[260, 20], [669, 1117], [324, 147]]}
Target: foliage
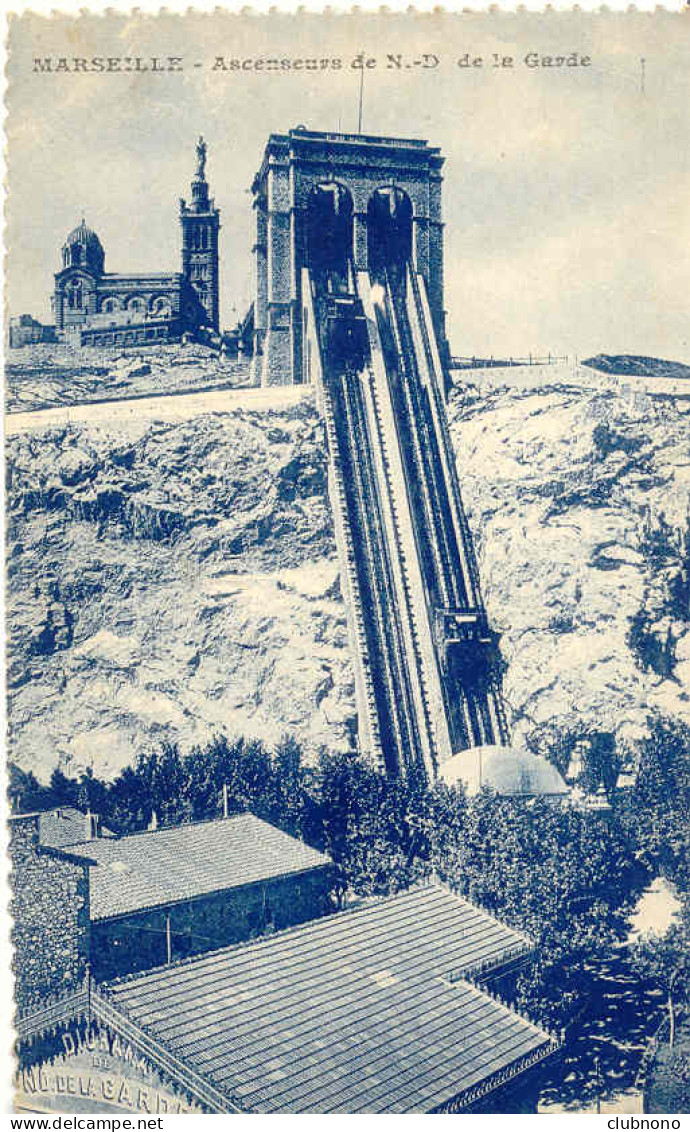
{"points": [[560, 875], [666, 551], [607, 440], [664, 960], [662, 544], [651, 653], [660, 802], [601, 762], [677, 1082]]}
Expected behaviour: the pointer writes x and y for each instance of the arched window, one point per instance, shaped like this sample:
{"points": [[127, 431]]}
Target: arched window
{"points": [[109, 305], [75, 296], [389, 228], [329, 228], [135, 304], [161, 307]]}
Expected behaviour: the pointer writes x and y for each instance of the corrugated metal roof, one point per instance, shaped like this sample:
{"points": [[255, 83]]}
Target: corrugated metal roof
{"points": [[352, 1013], [165, 866]]}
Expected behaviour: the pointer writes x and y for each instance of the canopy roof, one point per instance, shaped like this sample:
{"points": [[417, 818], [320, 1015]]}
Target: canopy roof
{"points": [[511, 772], [368, 1010]]}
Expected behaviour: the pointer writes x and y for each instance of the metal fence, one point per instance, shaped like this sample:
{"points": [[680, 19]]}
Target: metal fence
{"points": [[458, 362]]}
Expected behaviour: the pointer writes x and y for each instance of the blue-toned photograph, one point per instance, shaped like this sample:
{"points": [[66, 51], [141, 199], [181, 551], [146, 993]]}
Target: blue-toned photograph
{"points": [[347, 441]]}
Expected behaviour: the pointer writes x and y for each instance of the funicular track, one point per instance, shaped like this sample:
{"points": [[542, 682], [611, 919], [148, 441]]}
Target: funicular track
{"points": [[407, 550]]}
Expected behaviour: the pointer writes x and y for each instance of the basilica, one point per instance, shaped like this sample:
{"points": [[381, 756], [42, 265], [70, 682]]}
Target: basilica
{"points": [[95, 307]]}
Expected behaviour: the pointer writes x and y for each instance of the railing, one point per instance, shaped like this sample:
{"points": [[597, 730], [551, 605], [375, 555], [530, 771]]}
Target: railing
{"points": [[344, 539], [54, 1010], [419, 312], [471, 1096], [396, 493], [181, 1075], [489, 363]]}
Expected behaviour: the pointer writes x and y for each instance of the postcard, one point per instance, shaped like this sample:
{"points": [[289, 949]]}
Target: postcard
{"points": [[347, 406]]}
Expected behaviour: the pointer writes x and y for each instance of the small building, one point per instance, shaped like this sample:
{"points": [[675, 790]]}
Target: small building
{"points": [[24, 330], [372, 1010], [512, 773], [170, 893], [65, 825], [383, 1008], [129, 903]]}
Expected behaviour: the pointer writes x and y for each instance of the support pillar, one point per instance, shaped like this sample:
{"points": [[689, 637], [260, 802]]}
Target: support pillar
{"points": [[360, 245], [259, 251], [277, 362]]}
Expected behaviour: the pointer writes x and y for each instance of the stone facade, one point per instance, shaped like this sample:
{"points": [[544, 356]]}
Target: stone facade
{"points": [[27, 331], [50, 915], [200, 221], [93, 307], [139, 941], [297, 165]]}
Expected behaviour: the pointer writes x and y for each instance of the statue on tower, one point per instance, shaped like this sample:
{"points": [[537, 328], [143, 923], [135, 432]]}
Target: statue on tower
{"points": [[200, 158]]}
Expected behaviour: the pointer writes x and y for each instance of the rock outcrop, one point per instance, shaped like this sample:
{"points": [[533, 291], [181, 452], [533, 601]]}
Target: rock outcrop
{"points": [[168, 581], [567, 490], [173, 586]]}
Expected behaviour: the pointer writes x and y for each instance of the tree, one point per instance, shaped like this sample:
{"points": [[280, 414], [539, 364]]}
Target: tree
{"points": [[64, 789], [665, 961], [562, 876], [661, 800]]}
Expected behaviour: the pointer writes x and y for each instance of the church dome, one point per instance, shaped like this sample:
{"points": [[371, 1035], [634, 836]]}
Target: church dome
{"points": [[83, 248], [510, 772]]}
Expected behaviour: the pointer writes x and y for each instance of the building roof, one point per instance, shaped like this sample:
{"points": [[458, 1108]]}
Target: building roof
{"points": [[66, 825], [165, 866], [82, 234], [510, 772], [362, 1011]]}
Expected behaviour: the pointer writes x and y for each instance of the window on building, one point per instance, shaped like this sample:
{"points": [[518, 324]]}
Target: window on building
{"points": [[329, 228], [75, 296], [161, 307]]}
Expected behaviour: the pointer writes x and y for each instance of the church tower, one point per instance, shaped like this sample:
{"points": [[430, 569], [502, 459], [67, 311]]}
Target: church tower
{"points": [[200, 221]]}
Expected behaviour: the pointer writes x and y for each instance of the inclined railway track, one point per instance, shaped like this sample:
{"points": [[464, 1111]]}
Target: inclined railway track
{"points": [[419, 625]]}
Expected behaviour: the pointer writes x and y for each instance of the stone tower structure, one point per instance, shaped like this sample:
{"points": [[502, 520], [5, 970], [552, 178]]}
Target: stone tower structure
{"points": [[298, 171], [200, 221]]}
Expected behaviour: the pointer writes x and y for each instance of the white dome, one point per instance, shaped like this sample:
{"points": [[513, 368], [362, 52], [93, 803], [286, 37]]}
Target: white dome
{"points": [[506, 770]]}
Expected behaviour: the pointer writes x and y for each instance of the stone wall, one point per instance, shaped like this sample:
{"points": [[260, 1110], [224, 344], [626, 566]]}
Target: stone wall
{"points": [[142, 334], [50, 915], [140, 941]]}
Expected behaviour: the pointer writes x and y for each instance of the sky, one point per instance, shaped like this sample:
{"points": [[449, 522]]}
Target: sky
{"points": [[566, 190]]}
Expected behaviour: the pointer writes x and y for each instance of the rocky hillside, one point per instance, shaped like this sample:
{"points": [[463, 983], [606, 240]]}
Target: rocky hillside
{"points": [[635, 365], [171, 580], [59, 374], [172, 583], [580, 499]]}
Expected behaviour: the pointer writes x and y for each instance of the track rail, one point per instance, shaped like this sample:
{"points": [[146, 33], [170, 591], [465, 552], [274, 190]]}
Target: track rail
{"points": [[427, 684]]}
